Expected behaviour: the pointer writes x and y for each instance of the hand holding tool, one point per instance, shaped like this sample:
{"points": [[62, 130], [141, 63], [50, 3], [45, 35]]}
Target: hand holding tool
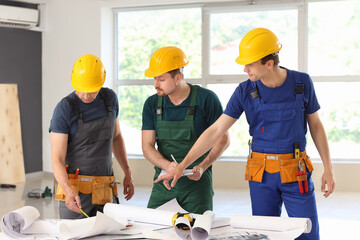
{"points": [[187, 172], [83, 213], [302, 178]]}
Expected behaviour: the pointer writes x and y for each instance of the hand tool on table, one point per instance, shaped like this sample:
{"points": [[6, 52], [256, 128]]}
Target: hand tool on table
{"points": [[183, 226]]}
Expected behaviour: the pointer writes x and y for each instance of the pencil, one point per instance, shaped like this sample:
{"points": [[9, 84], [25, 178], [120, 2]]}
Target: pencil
{"points": [[83, 212], [173, 158]]}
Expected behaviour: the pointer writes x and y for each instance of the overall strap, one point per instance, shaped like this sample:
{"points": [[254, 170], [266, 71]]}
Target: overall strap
{"points": [[159, 108], [299, 87], [254, 93], [105, 97], [75, 106], [191, 110]]}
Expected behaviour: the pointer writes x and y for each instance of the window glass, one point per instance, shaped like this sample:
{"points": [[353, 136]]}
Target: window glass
{"points": [[227, 30], [340, 114], [333, 46], [239, 132], [140, 33], [334, 38], [131, 101]]}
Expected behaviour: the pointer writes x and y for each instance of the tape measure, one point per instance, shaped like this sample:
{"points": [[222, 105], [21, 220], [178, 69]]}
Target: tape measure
{"points": [[183, 226]]}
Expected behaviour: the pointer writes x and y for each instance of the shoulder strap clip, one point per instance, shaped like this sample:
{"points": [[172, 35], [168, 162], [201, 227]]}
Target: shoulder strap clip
{"points": [[254, 93], [299, 88]]}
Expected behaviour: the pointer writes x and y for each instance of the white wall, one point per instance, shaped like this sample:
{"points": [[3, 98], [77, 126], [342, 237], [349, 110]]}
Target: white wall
{"points": [[72, 29]]}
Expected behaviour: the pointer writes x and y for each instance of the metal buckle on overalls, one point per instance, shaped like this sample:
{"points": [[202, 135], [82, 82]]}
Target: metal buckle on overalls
{"points": [[191, 110], [254, 93], [299, 88]]}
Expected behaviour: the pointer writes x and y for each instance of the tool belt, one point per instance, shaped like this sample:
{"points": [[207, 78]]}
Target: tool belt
{"points": [[102, 188], [286, 164]]}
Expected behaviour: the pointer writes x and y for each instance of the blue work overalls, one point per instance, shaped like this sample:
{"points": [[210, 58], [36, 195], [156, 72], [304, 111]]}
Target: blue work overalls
{"points": [[275, 126]]}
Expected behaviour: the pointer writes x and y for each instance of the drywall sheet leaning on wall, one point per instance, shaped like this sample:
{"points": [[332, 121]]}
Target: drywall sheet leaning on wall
{"points": [[11, 152]]}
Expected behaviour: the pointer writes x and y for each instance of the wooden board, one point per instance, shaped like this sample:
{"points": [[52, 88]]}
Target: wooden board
{"points": [[11, 152]]}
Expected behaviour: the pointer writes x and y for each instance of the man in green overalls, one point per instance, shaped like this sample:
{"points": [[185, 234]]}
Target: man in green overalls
{"points": [[173, 119]]}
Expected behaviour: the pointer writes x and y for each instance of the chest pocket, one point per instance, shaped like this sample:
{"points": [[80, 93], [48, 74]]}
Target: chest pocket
{"points": [[100, 135], [174, 133], [100, 131], [279, 120]]}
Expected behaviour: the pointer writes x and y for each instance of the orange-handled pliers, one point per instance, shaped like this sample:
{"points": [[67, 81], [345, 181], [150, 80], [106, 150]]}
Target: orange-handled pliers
{"points": [[301, 177]]}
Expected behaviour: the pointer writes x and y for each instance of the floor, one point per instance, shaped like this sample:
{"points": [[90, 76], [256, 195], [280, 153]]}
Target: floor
{"points": [[339, 215]]}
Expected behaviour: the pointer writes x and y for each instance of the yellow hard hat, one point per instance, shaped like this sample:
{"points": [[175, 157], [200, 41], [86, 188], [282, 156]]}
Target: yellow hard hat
{"points": [[166, 59], [256, 44], [88, 74]]}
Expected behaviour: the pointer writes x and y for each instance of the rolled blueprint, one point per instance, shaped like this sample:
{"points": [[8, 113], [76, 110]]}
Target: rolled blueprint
{"points": [[183, 228], [271, 223], [202, 226], [139, 214]]}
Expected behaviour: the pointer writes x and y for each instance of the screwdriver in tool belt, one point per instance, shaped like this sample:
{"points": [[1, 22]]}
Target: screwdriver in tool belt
{"points": [[76, 173]]}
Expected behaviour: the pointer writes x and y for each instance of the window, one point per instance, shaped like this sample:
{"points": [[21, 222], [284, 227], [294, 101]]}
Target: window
{"points": [[334, 38], [318, 37], [340, 114], [227, 29], [139, 33]]}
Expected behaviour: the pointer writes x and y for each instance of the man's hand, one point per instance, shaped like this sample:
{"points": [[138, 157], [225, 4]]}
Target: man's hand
{"points": [[128, 188], [198, 171], [73, 202], [173, 174], [329, 181], [171, 166]]}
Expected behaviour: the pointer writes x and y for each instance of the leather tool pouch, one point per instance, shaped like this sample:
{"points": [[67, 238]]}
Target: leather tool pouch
{"points": [[288, 168], [100, 187], [60, 195], [102, 192], [255, 169]]}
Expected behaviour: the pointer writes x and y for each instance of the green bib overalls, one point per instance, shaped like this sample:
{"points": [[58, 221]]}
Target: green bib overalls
{"points": [[177, 138]]}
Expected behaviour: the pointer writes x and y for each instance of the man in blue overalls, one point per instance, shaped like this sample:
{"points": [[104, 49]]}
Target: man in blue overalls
{"points": [[84, 132], [278, 103], [173, 119]]}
